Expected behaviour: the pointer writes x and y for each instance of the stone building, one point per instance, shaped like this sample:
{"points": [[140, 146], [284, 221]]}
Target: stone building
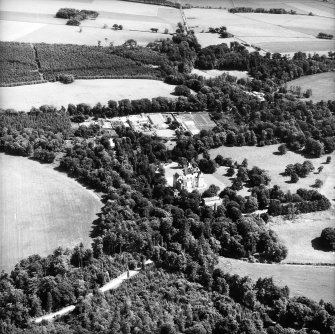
{"points": [[192, 178]]}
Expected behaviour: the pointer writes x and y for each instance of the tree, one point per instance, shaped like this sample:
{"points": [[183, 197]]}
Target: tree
{"points": [[237, 184], [294, 177], [282, 149], [230, 171], [329, 159], [318, 183], [182, 90], [251, 205]]}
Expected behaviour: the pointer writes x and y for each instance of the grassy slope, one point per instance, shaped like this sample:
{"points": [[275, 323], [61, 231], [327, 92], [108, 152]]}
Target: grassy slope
{"points": [[41, 209]]}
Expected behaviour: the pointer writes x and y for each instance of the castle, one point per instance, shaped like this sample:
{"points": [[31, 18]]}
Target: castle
{"points": [[192, 178]]}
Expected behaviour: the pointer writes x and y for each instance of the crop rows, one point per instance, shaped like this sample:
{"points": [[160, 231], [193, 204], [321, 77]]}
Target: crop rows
{"points": [[82, 60], [17, 63]]}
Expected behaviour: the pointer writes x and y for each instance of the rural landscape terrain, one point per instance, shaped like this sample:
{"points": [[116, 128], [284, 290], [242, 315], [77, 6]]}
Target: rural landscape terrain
{"points": [[167, 166]]}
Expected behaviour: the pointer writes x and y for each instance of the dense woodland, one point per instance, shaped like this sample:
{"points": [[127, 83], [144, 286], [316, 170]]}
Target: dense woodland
{"points": [[144, 218]]}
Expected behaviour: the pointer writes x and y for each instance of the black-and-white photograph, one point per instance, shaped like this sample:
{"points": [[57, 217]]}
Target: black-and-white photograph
{"points": [[167, 167]]}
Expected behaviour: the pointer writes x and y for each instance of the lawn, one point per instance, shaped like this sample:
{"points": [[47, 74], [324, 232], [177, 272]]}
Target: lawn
{"points": [[322, 85], [315, 282], [41, 209], [81, 91]]}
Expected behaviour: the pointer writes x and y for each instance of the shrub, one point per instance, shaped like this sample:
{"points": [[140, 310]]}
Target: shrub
{"points": [[182, 90], [318, 183], [66, 78], [67, 13], [73, 22]]}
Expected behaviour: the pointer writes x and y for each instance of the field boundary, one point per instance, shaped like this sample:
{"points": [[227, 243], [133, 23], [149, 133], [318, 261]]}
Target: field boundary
{"points": [[82, 77]]}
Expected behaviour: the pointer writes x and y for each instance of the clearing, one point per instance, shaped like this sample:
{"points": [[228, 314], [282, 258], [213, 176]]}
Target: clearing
{"points": [[314, 282], [322, 85], [41, 209], [81, 91], [208, 74]]}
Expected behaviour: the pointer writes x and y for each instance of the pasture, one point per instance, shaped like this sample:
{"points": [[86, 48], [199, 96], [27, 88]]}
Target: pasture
{"points": [[266, 158], [322, 85], [23, 22], [81, 91], [41, 209], [314, 282]]}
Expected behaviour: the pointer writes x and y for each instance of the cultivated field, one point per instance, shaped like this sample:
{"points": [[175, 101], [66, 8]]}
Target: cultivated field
{"points": [[315, 282], [36, 23], [320, 8], [41, 209], [271, 32], [81, 91], [322, 85]]}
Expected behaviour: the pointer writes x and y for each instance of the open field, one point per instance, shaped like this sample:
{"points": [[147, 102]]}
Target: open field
{"points": [[265, 158], [62, 34], [315, 282], [41, 209], [305, 24], [35, 22], [300, 6], [298, 234], [81, 91], [322, 85], [271, 32]]}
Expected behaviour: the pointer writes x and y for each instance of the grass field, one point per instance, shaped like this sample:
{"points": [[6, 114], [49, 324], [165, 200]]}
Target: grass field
{"points": [[41, 209], [34, 22], [298, 234], [315, 282], [81, 91], [265, 158], [322, 85]]}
